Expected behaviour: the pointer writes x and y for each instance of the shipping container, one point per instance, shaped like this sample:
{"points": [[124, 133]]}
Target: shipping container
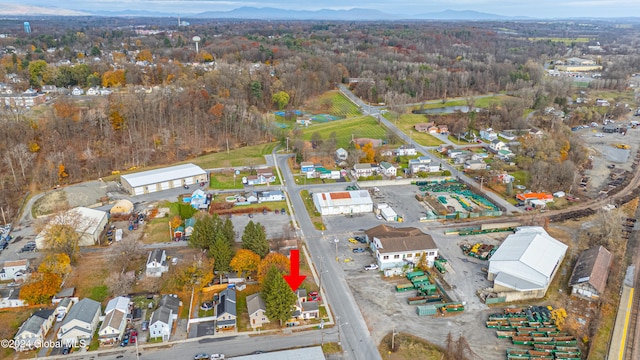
{"points": [[426, 310]]}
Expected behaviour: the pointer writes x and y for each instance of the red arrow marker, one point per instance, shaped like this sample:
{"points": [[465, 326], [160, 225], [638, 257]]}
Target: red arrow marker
{"points": [[294, 279]]}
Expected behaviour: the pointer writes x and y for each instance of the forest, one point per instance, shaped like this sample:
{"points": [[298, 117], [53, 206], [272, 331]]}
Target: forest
{"points": [[171, 104]]}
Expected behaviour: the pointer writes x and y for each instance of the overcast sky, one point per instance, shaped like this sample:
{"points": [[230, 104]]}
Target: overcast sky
{"points": [[532, 8]]}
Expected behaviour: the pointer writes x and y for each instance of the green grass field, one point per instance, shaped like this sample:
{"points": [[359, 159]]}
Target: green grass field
{"points": [[483, 102], [406, 123], [333, 103], [362, 127], [236, 157]]}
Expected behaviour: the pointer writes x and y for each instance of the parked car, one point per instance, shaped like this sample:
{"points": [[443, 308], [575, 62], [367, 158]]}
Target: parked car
{"points": [[186, 186], [314, 296], [379, 217], [283, 211], [124, 342], [353, 241], [371, 267], [201, 356], [144, 326], [217, 356], [66, 350], [360, 239], [264, 212], [207, 305], [358, 250], [60, 317]]}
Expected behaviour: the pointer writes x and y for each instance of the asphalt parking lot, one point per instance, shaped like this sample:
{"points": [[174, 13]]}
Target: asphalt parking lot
{"points": [[274, 224]]}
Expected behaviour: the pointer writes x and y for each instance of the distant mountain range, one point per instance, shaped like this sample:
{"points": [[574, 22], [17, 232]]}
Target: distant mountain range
{"points": [[266, 13]]}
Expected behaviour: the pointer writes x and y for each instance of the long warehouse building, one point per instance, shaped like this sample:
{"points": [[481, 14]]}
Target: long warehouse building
{"points": [[172, 177], [343, 202]]}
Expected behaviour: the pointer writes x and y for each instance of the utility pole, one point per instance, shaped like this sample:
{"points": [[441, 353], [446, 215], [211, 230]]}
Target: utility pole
{"points": [[287, 144], [481, 182], [393, 338]]}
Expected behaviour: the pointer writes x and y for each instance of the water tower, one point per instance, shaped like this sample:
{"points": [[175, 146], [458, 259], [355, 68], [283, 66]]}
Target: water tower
{"points": [[196, 39], [27, 27]]}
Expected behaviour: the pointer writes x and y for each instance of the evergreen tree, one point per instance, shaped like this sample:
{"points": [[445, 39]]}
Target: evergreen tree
{"points": [[255, 239], [278, 296], [229, 232], [204, 233], [222, 252]]}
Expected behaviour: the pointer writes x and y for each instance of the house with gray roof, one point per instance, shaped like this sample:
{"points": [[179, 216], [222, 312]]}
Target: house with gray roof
{"points": [[34, 330], [115, 320], [81, 322], [388, 169], [163, 317], [257, 310], [157, 263], [226, 310], [9, 298]]}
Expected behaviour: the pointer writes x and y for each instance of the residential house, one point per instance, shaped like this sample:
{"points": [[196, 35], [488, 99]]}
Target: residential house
{"points": [[602, 102], [388, 169], [488, 134], [263, 176], [112, 328], [423, 127], [92, 91], [364, 170], [589, 277], [162, 319], [341, 155], [458, 153], [304, 309], [505, 154], [226, 310], [33, 331], [188, 227], [9, 298], [267, 196], [14, 270], [307, 167], [497, 145], [198, 200], [64, 306], [406, 150], [475, 164], [65, 293], [396, 247], [257, 311], [49, 89], [105, 92], [443, 129], [422, 163], [77, 91], [81, 322], [157, 263]]}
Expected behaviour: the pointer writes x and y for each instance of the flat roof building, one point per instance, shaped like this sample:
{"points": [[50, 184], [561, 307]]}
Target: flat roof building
{"points": [[343, 202]]}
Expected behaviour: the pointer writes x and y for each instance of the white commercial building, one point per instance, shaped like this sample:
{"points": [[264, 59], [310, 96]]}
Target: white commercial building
{"points": [[343, 202], [89, 223], [163, 179], [524, 265]]}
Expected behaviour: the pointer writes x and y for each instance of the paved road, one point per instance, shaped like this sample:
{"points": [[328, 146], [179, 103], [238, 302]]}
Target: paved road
{"points": [[356, 340], [230, 346]]}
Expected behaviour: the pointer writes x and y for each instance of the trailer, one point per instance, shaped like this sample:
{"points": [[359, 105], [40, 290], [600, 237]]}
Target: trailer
{"points": [[427, 289], [440, 267], [423, 299], [426, 310], [404, 287], [419, 280]]}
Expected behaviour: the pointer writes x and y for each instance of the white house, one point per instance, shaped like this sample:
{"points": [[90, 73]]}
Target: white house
{"points": [[33, 331], [406, 150], [77, 91], [525, 264], [388, 169], [364, 170], [476, 164], [396, 247], [226, 310], [266, 196], [81, 322], [92, 91], [14, 270], [341, 155], [113, 327], [257, 311], [199, 199], [307, 167], [163, 317], [64, 305], [497, 145], [157, 263], [9, 298]]}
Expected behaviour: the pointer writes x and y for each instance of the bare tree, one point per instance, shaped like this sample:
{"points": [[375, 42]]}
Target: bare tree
{"points": [[24, 157], [120, 283]]}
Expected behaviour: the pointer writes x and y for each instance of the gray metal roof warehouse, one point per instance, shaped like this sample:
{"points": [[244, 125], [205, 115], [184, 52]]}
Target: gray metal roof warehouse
{"points": [[163, 179]]}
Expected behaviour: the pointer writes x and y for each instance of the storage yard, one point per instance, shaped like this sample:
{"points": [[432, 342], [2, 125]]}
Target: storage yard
{"points": [[450, 199]]}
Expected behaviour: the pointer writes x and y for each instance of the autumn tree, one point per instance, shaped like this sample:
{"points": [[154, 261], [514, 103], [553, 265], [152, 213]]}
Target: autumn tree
{"points": [[58, 264], [281, 99], [174, 223], [255, 239], [40, 288], [114, 78], [63, 234], [245, 262], [368, 153], [186, 275], [278, 260], [144, 55], [278, 296], [36, 71], [204, 57]]}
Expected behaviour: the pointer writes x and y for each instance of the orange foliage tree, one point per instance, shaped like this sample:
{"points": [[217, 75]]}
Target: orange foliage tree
{"points": [[62, 172], [278, 260], [144, 55], [59, 264], [114, 78], [40, 288], [245, 262], [369, 153], [204, 56]]}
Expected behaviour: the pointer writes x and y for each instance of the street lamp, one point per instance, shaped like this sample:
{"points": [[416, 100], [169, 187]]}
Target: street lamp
{"points": [[336, 241]]}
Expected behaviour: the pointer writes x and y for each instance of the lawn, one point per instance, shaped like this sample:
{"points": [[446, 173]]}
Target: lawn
{"points": [[156, 231], [12, 318], [237, 157], [483, 102], [406, 124], [409, 347], [361, 127], [314, 215], [221, 181], [333, 103]]}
